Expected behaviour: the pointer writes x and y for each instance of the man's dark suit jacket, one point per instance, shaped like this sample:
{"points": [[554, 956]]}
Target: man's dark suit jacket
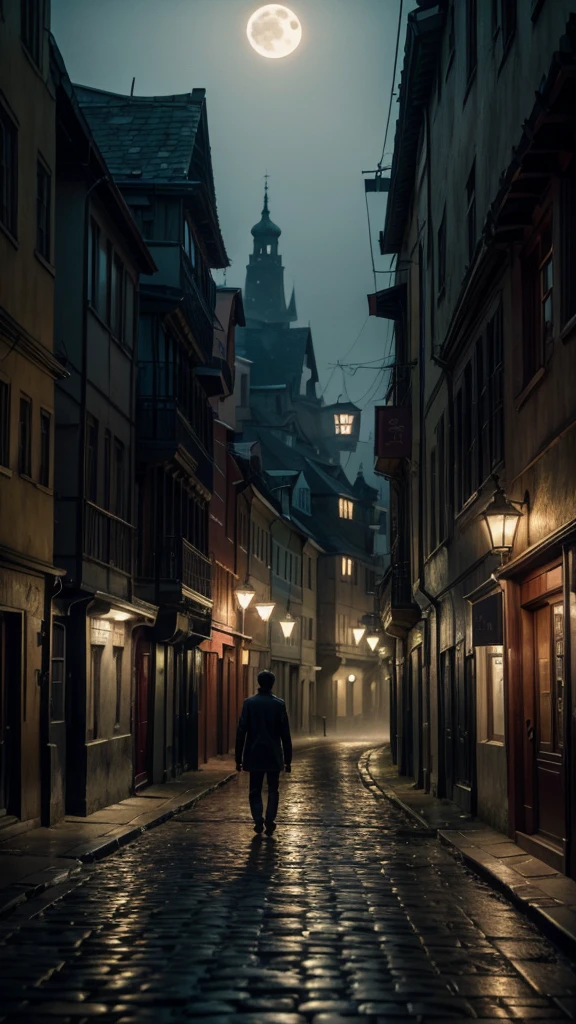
{"points": [[263, 742]]}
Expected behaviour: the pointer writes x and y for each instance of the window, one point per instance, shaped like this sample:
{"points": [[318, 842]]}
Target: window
{"points": [[495, 695], [433, 501], [4, 423], [91, 458], [345, 508], [118, 652], [370, 581], [8, 172], [343, 422], [107, 468], [441, 471], [189, 244], [442, 256], [32, 27], [129, 310], [471, 39], [119, 482], [25, 437], [43, 203], [538, 285], [346, 566], [117, 297], [303, 499], [489, 369], [58, 673], [458, 427], [355, 573], [96, 651], [568, 260], [508, 15], [471, 212], [101, 270], [45, 440]]}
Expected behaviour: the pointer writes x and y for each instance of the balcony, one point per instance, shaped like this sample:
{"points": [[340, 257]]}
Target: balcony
{"points": [[393, 439], [108, 539], [181, 564], [162, 429], [398, 609], [175, 287]]}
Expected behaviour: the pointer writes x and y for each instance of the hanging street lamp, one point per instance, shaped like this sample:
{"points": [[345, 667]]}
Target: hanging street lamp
{"points": [[287, 625], [502, 517], [358, 632], [373, 640], [265, 609], [244, 594]]}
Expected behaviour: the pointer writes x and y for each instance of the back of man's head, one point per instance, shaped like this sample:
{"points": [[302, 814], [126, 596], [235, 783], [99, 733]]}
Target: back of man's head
{"points": [[266, 680]]}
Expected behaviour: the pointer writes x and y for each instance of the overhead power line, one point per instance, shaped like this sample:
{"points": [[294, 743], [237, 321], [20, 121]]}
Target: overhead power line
{"points": [[392, 90]]}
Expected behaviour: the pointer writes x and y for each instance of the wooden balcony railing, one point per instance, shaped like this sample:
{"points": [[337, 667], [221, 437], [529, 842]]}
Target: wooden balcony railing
{"points": [[182, 562], [108, 539]]}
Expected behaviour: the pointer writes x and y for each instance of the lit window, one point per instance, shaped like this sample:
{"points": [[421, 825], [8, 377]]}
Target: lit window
{"points": [[343, 422], [345, 508], [346, 566]]}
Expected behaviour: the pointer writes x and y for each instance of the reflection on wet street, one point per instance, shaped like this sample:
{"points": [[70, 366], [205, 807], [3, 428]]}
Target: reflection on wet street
{"points": [[346, 913]]}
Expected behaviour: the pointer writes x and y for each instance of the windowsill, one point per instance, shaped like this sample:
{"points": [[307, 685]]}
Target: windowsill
{"points": [[98, 317], [24, 476], [6, 471], [492, 743], [469, 85], [44, 489], [11, 238], [435, 551], [506, 51], [467, 505], [569, 329], [45, 263], [530, 387]]}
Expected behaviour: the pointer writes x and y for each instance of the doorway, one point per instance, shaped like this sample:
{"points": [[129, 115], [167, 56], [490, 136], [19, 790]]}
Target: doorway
{"points": [[141, 713], [546, 735], [447, 725], [415, 671], [10, 701]]}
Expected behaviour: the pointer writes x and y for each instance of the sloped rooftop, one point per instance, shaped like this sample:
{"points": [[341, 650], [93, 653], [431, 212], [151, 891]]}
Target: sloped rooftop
{"points": [[277, 355]]}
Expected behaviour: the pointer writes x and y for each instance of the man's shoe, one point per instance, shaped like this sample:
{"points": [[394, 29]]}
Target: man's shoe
{"points": [[259, 827], [270, 827]]}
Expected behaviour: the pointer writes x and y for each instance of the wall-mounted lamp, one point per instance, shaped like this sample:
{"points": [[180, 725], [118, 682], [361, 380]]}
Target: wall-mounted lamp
{"points": [[502, 517], [116, 616], [265, 610], [351, 678], [245, 656], [358, 632], [244, 594], [373, 640]]}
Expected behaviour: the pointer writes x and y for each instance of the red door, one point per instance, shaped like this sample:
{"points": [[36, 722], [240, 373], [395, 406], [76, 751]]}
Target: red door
{"points": [[141, 723]]}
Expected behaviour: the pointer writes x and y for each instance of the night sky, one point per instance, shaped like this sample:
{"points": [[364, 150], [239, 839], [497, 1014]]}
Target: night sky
{"points": [[314, 120]]}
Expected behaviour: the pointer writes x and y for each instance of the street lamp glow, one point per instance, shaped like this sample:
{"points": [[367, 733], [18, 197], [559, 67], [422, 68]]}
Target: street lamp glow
{"points": [[358, 632], [351, 678], [245, 594], [373, 642], [502, 521], [265, 610], [287, 625]]}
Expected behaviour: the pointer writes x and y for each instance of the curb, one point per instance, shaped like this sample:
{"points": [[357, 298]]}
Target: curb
{"points": [[562, 937], [107, 848]]}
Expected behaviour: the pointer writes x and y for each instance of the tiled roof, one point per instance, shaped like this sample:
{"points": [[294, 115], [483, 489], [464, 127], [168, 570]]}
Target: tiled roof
{"points": [[144, 138]]}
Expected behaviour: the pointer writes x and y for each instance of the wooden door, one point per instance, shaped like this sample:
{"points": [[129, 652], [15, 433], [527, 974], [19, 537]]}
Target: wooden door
{"points": [[548, 734], [141, 713], [447, 724]]}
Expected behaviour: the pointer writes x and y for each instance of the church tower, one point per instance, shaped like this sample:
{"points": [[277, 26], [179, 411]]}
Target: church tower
{"points": [[264, 298]]}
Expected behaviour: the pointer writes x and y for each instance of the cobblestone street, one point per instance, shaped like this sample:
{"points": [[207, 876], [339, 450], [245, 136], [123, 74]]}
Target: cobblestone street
{"points": [[347, 913]]}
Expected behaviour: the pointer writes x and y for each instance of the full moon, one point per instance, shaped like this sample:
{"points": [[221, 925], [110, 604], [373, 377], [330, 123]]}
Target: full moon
{"points": [[274, 31]]}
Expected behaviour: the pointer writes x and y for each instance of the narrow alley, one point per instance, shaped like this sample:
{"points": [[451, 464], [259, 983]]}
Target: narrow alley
{"points": [[349, 912]]}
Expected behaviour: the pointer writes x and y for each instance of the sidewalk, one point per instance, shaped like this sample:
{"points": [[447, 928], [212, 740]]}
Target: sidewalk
{"points": [[547, 897], [34, 860]]}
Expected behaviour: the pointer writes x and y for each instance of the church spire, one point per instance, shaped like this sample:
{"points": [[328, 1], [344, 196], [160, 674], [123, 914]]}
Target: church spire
{"points": [[265, 300]]}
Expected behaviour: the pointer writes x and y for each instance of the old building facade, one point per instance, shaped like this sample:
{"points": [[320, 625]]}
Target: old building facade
{"points": [[481, 412], [28, 370]]}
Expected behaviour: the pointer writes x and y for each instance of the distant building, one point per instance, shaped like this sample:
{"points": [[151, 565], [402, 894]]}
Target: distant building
{"points": [[324, 542]]}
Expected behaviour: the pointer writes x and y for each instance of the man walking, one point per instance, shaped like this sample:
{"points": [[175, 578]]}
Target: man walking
{"points": [[264, 747]]}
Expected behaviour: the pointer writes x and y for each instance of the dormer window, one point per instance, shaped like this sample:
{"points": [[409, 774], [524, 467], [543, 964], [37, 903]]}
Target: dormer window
{"points": [[268, 249], [189, 244], [345, 508], [343, 422], [302, 499]]}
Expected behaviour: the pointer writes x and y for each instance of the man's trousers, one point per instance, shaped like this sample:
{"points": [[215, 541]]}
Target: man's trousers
{"points": [[256, 805]]}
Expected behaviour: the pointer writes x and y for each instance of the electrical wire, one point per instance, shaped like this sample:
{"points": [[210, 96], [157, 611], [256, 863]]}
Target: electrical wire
{"points": [[392, 92], [339, 362]]}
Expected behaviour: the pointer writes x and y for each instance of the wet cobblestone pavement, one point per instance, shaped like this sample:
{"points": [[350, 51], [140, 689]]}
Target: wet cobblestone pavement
{"points": [[345, 914]]}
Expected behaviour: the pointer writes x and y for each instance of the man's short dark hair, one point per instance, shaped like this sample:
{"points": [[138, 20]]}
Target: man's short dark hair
{"points": [[266, 680]]}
